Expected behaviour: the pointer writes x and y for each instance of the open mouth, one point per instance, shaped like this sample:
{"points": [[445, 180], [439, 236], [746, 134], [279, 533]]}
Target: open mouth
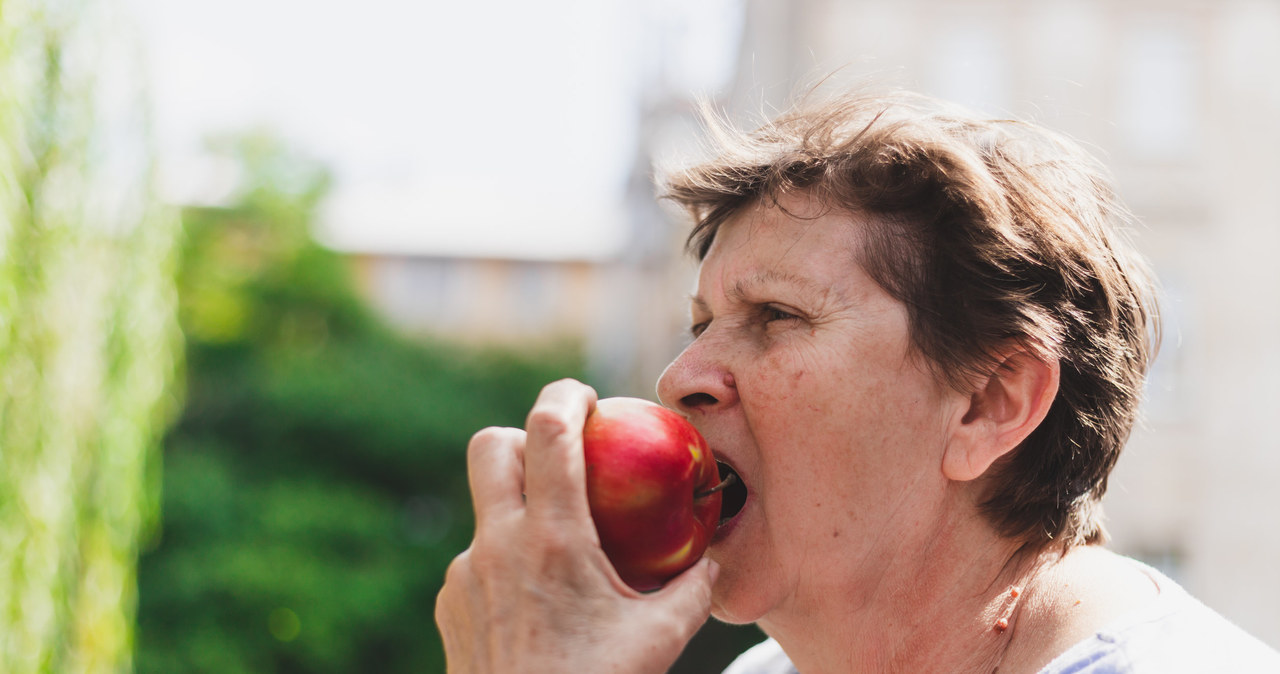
{"points": [[735, 492]]}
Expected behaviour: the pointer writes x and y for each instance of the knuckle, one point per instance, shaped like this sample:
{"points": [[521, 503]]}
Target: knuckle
{"points": [[566, 383], [491, 437], [458, 571], [555, 543], [496, 554], [548, 423], [443, 606], [484, 558]]}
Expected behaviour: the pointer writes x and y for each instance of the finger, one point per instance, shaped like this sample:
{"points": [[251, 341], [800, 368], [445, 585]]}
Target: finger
{"points": [[555, 471], [495, 471], [684, 603]]}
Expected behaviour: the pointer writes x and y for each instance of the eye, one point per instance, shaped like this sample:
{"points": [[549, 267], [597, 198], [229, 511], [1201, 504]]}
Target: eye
{"points": [[773, 313], [698, 328]]}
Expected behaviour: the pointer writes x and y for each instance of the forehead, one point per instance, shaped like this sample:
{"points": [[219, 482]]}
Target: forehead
{"points": [[797, 242]]}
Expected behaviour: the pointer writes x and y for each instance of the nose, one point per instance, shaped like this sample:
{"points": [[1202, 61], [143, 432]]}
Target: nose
{"points": [[698, 380]]}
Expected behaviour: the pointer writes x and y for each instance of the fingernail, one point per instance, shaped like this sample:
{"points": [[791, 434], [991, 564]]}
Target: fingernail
{"points": [[713, 570]]}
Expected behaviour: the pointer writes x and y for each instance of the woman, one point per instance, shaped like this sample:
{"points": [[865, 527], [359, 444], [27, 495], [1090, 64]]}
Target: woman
{"points": [[919, 338]]}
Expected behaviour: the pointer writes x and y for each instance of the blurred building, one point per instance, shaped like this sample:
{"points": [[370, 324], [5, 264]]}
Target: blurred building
{"points": [[620, 291], [523, 300], [1180, 98], [616, 308]]}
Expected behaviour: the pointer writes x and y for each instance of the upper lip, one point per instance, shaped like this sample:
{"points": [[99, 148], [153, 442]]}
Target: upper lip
{"points": [[722, 457], [725, 459]]}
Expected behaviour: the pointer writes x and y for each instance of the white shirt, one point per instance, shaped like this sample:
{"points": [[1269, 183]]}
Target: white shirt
{"points": [[1175, 634]]}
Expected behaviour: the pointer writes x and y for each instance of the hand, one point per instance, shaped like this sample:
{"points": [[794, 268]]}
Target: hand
{"points": [[534, 592]]}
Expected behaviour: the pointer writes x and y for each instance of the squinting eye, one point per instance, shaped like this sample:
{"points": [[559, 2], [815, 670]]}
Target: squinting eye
{"points": [[698, 328], [772, 314]]}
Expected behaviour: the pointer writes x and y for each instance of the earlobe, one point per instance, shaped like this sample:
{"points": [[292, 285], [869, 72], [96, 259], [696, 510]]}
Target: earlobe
{"points": [[1006, 407]]}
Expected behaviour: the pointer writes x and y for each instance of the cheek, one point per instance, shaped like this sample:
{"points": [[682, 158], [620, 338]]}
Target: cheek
{"points": [[873, 415], [796, 378], [835, 386], [806, 414]]}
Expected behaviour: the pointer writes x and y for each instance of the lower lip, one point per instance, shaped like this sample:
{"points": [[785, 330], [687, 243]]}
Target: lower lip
{"points": [[723, 531]]}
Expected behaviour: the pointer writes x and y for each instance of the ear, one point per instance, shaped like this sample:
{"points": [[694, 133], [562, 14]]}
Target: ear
{"points": [[1009, 404]]}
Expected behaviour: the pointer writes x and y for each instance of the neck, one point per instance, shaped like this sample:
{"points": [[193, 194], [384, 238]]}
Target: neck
{"points": [[953, 607]]}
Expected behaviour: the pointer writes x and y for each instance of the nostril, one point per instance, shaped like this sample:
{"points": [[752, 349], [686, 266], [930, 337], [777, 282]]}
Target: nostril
{"points": [[698, 400]]}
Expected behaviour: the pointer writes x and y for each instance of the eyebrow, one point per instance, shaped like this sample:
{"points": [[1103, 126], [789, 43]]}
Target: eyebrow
{"points": [[772, 276], [738, 292]]}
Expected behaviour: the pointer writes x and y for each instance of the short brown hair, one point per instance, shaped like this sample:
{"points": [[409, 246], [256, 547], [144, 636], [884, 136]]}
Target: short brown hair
{"points": [[989, 231]]}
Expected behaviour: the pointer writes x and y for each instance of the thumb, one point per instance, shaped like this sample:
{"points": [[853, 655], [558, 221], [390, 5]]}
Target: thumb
{"points": [[685, 602]]}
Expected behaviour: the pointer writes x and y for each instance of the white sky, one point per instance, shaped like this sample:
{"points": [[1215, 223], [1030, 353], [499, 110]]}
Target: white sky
{"points": [[473, 127]]}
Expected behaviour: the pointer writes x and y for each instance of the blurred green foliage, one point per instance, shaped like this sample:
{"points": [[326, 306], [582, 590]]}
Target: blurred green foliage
{"points": [[89, 342], [314, 488]]}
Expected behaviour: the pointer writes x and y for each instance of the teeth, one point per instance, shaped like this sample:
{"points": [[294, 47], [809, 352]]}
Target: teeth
{"points": [[735, 492]]}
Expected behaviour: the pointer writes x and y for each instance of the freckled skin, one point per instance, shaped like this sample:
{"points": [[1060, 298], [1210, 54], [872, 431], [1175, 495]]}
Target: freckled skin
{"points": [[827, 406], [854, 549]]}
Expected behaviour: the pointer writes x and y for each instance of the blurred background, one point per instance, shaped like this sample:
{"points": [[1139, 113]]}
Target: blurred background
{"points": [[266, 265]]}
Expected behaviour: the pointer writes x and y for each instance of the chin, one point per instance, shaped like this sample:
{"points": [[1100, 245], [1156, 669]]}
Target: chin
{"points": [[731, 601]]}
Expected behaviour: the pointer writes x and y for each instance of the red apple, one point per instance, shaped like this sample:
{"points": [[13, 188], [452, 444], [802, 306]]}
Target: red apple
{"points": [[652, 483]]}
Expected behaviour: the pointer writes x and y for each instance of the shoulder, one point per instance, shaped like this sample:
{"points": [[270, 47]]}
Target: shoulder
{"points": [[1174, 634], [765, 657]]}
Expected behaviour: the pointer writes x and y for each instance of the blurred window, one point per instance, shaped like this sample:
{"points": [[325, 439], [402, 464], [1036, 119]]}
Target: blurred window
{"points": [[697, 42], [1064, 55], [420, 292], [536, 295], [1156, 81], [972, 66]]}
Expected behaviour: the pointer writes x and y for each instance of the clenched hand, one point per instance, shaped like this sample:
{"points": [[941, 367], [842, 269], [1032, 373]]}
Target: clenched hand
{"points": [[534, 592]]}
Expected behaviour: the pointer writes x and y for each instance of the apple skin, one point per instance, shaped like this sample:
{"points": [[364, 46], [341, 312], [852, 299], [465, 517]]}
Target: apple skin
{"points": [[646, 466]]}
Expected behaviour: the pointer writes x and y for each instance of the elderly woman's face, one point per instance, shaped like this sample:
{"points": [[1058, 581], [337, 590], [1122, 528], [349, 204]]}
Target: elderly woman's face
{"points": [[802, 379]]}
